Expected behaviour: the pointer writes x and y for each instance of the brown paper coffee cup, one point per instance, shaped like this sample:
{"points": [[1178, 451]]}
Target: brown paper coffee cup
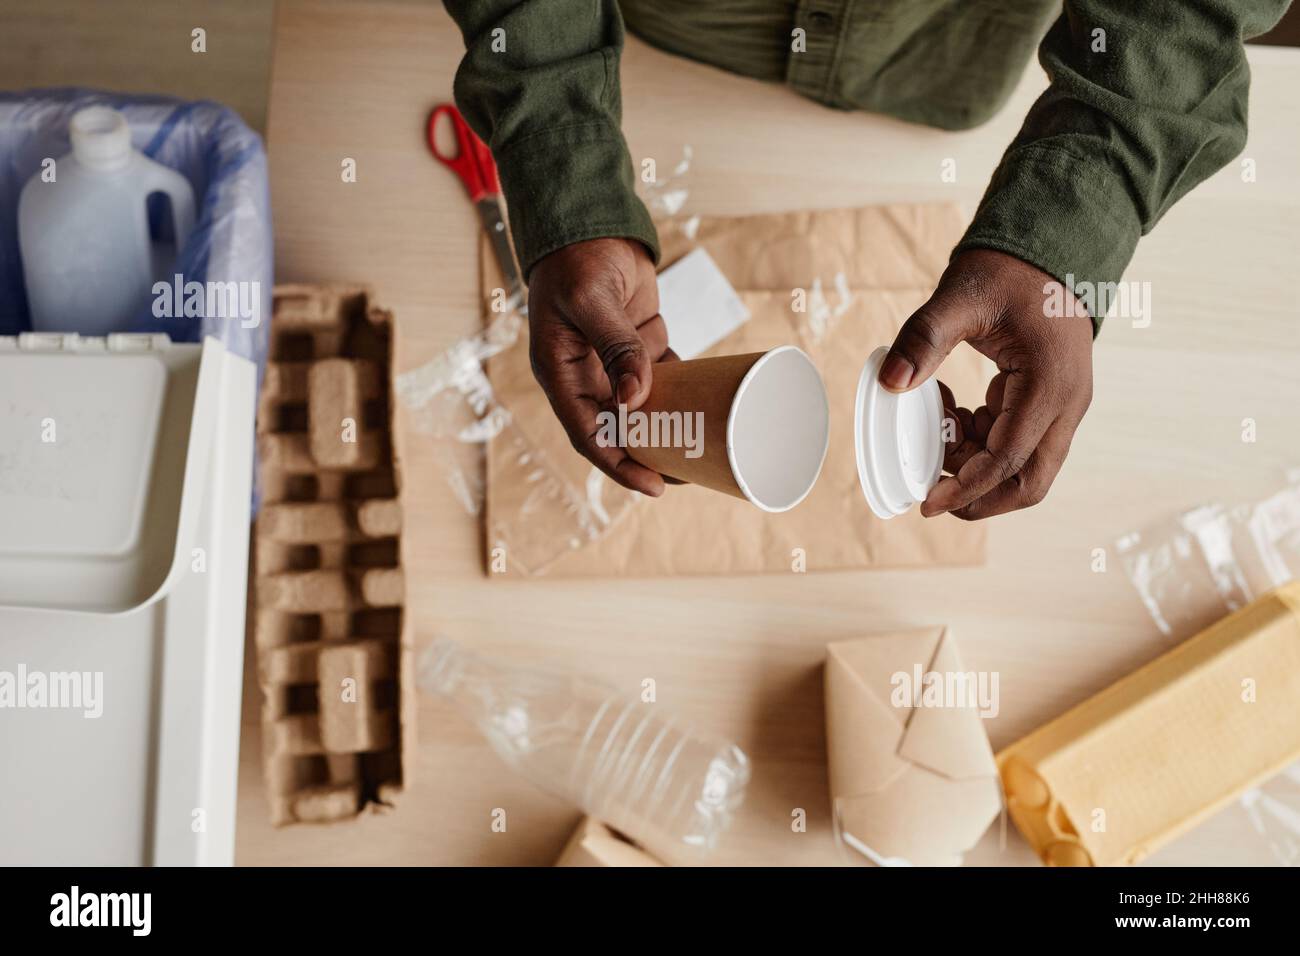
{"points": [[755, 426]]}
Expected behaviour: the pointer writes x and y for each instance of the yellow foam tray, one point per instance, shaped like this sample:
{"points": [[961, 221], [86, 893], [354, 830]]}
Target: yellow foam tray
{"points": [[1149, 757]]}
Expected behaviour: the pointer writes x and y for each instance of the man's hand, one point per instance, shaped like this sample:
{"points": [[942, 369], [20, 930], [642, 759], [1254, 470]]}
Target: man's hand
{"points": [[594, 332], [1007, 452]]}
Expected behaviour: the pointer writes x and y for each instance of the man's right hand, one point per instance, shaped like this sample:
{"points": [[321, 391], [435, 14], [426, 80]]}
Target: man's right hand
{"points": [[594, 333]]}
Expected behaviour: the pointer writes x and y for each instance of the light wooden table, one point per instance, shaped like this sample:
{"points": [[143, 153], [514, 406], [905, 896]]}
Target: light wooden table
{"points": [[743, 655]]}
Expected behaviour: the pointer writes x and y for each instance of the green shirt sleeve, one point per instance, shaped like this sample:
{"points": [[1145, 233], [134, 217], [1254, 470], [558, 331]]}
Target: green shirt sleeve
{"points": [[1146, 101], [540, 85]]}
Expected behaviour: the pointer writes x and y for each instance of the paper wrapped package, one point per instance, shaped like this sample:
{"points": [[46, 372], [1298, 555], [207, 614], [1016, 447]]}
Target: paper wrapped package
{"points": [[912, 775], [857, 274], [1155, 753], [594, 844]]}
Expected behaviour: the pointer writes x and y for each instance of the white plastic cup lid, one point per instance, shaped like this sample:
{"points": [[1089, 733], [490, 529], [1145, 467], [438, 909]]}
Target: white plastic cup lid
{"points": [[899, 441]]}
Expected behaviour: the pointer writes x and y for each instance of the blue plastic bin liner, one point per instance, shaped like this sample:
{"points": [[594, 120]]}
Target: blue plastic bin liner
{"points": [[207, 143], [225, 164]]}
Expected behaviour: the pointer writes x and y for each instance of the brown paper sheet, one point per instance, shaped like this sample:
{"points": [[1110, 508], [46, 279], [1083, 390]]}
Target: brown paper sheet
{"points": [[891, 257]]}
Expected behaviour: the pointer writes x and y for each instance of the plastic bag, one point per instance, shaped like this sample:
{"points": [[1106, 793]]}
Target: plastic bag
{"points": [[207, 143], [1193, 569]]}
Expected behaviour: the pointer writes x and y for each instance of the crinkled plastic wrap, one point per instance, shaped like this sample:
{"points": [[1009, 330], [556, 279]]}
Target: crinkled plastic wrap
{"points": [[1193, 569], [827, 297], [451, 401], [207, 143], [1273, 813], [666, 198], [1201, 565]]}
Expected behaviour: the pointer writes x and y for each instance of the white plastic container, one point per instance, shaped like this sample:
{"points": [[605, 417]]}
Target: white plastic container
{"points": [[125, 472], [83, 229]]}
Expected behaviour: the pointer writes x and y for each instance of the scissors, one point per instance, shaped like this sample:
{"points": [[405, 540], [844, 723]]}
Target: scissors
{"points": [[474, 165]]}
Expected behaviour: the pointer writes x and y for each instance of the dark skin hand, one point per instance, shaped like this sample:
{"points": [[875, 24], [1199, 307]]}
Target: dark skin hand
{"points": [[594, 332], [1006, 453]]}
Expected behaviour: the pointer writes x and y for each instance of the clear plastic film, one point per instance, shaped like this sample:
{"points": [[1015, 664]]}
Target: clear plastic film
{"points": [[1193, 569], [452, 402], [1273, 813], [827, 302], [1203, 564], [826, 298], [666, 197], [451, 399]]}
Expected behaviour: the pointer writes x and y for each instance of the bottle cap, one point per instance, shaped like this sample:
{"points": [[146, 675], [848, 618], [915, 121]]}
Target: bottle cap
{"points": [[899, 441], [100, 137]]}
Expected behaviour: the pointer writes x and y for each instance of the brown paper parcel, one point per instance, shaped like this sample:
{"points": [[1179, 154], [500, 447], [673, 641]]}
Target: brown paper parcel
{"points": [[915, 783], [889, 258], [594, 844]]}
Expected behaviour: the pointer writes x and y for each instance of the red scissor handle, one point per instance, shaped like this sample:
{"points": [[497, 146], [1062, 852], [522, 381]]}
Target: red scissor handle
{"points": [[473, 161]]}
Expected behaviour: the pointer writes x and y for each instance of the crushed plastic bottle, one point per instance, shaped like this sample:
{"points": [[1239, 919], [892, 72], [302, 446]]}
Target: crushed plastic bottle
{"points": [[622, 761]]}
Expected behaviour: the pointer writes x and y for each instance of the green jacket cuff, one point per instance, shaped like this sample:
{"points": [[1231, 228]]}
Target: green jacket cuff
{"points": [[1073, 219], [569, 184]]}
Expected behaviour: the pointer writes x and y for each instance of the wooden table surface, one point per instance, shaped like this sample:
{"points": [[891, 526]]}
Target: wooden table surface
{"points": [[743, 655]]}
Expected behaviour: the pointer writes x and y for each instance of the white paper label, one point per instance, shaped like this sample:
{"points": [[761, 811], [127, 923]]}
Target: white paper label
{"points": [[698, 304]]}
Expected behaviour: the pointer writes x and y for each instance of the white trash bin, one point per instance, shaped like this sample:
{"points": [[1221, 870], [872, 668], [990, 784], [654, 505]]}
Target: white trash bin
{"points": [[125, 468]]}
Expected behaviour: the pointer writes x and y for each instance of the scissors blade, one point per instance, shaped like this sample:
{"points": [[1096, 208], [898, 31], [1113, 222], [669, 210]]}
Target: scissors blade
{"points": [[489, 212]]}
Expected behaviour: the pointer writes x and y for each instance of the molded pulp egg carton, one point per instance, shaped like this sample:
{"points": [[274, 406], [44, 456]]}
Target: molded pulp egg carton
{"points": [[329, 623]]}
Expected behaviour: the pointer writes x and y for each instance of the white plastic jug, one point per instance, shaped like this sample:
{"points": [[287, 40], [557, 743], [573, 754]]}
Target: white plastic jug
{"points": [[88, 259]]}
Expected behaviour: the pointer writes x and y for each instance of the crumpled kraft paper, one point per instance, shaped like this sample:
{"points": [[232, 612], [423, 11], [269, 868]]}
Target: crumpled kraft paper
{"points": [[857, 274]]}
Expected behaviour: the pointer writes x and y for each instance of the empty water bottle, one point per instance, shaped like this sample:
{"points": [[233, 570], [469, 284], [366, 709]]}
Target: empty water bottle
{"points": [[623, 761]]}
